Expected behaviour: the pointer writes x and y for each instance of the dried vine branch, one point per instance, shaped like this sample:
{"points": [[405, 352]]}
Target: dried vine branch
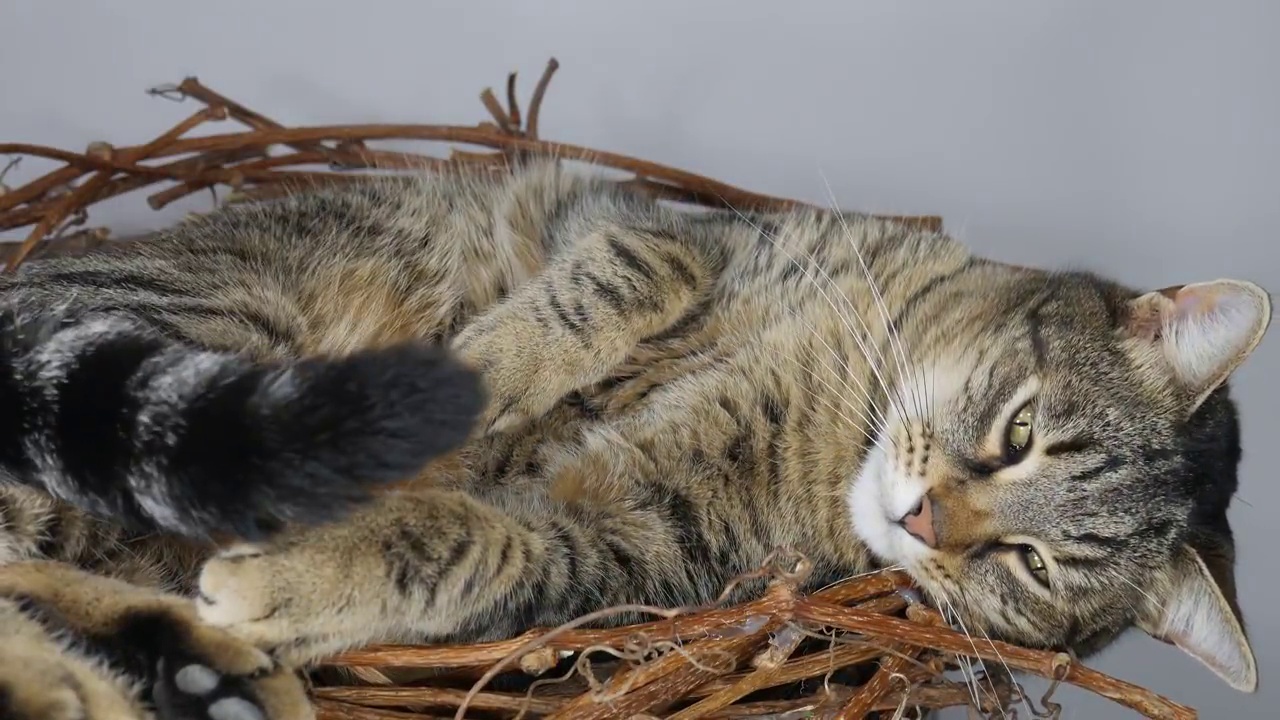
{"points": [[245, 161], [862, 612], [786, 654]]}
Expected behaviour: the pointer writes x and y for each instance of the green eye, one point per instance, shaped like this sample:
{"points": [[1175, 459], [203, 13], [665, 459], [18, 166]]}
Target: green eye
{"points": [[1035, 564], [1018, 436]]}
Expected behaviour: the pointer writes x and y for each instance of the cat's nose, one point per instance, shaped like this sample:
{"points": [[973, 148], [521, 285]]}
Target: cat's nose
{"points": [[919, 522]]}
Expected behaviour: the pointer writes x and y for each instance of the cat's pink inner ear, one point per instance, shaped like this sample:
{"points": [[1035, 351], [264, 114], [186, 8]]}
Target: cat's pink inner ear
{"points": [[1203, 330], [1194, 615]]}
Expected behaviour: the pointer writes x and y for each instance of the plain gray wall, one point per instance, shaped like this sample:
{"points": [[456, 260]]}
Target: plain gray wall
{"points": [[1135, 138]]}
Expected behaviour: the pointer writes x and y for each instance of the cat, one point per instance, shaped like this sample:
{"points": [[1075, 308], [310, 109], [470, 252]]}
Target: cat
{"points": [[666, 397]]}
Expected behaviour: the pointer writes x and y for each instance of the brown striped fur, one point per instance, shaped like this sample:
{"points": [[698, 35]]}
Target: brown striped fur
{"points": [[672, 395]]}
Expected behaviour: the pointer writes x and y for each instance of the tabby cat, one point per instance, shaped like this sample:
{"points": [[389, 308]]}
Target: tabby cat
{"points": [[638, 403]]}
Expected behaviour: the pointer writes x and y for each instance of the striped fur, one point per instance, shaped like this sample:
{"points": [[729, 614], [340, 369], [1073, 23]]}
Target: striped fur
{"points": [[669, 396], [84, 646], [107, 412]]}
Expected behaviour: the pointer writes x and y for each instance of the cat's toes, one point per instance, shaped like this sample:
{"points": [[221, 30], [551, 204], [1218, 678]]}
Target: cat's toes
{"points": [[86, 647], [193, 690], [236, 588], [289, 603], [188, 689], [47, 681], [210, 674], [517, 391]]}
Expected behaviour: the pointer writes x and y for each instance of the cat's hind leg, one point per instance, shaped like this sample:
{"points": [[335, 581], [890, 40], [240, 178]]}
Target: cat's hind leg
{"points": [[85, 647]]}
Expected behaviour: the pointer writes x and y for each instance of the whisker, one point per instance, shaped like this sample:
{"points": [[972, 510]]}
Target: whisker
{"points": [[1151, 598], [969, 637], [1006, 668], [893, 336], [866, 271], [868, 435], [882, 421], [844, 317], [890, 568]]}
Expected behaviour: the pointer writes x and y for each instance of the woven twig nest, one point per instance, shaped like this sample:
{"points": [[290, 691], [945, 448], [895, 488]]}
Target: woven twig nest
{"points": [[860, 646], [857, 648]]}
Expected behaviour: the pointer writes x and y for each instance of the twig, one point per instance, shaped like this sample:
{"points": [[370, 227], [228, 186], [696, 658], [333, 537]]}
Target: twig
{"points": [[893, 667], [392, 697], [540, 91], [499, 113], [1038, 662], [192, 87], [771, 663], [242, 160], [513, 104], [87, 192]]}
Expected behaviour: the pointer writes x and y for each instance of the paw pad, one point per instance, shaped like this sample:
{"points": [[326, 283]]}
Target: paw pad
{"points": [[197, 691], [234, 708], [195, 680]]}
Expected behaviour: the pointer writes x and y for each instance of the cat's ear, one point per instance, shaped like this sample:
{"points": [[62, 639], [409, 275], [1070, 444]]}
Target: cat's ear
{"points": [[1199, 333], [1198, 613]]}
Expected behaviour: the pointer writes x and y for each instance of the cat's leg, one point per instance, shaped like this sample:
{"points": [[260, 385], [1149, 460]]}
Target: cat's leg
{"points": [[84, 647], [36, 526], [566, 328], [439, 565], [44, 678]]}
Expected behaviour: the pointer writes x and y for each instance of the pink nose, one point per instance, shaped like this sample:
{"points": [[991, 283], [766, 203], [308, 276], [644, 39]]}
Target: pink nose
{"points": [[919, 522]]}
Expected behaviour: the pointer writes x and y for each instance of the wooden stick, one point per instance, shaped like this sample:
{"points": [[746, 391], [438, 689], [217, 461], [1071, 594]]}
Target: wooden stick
{"points": [[1039, 662], [215, 158], [87, 192]]}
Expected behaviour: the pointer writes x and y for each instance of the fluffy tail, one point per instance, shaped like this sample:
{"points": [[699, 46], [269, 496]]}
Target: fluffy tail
{"points": [[112, 417]]}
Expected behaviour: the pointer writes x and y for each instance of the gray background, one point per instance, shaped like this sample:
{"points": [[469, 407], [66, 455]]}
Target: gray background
{"points": [[1136, 138]]}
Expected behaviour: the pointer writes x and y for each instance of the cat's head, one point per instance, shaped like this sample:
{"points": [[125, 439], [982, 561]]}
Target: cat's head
{"points": [[1058, 465]]}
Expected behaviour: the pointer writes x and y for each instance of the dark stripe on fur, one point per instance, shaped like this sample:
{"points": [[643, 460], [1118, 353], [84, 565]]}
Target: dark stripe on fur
{"points": [[630, 259], [909, 305], [1067, 446], [109, 415], [606, 292], [578, 329], [1110, 464]]}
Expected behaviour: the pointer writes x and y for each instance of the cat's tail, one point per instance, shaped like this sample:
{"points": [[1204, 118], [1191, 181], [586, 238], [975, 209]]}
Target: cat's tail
{"points": [[115, 418]]}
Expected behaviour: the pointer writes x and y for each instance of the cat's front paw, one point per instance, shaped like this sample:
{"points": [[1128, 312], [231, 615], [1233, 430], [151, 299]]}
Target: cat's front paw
{"points": [[523, 379], [299, 602]]}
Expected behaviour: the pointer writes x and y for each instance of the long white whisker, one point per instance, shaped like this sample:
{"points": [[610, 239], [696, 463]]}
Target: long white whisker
{"points": [[1006, 669], [965, 664], [1150, 598], [969, 636], [833, 583], [896, 348], [870, 436], [890, 332], [881, 421], [844, 317], [846, 418]]}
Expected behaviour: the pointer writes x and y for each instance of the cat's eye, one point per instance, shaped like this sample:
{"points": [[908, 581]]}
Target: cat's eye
{"points": [[1035, 564], [1018, 435]]}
